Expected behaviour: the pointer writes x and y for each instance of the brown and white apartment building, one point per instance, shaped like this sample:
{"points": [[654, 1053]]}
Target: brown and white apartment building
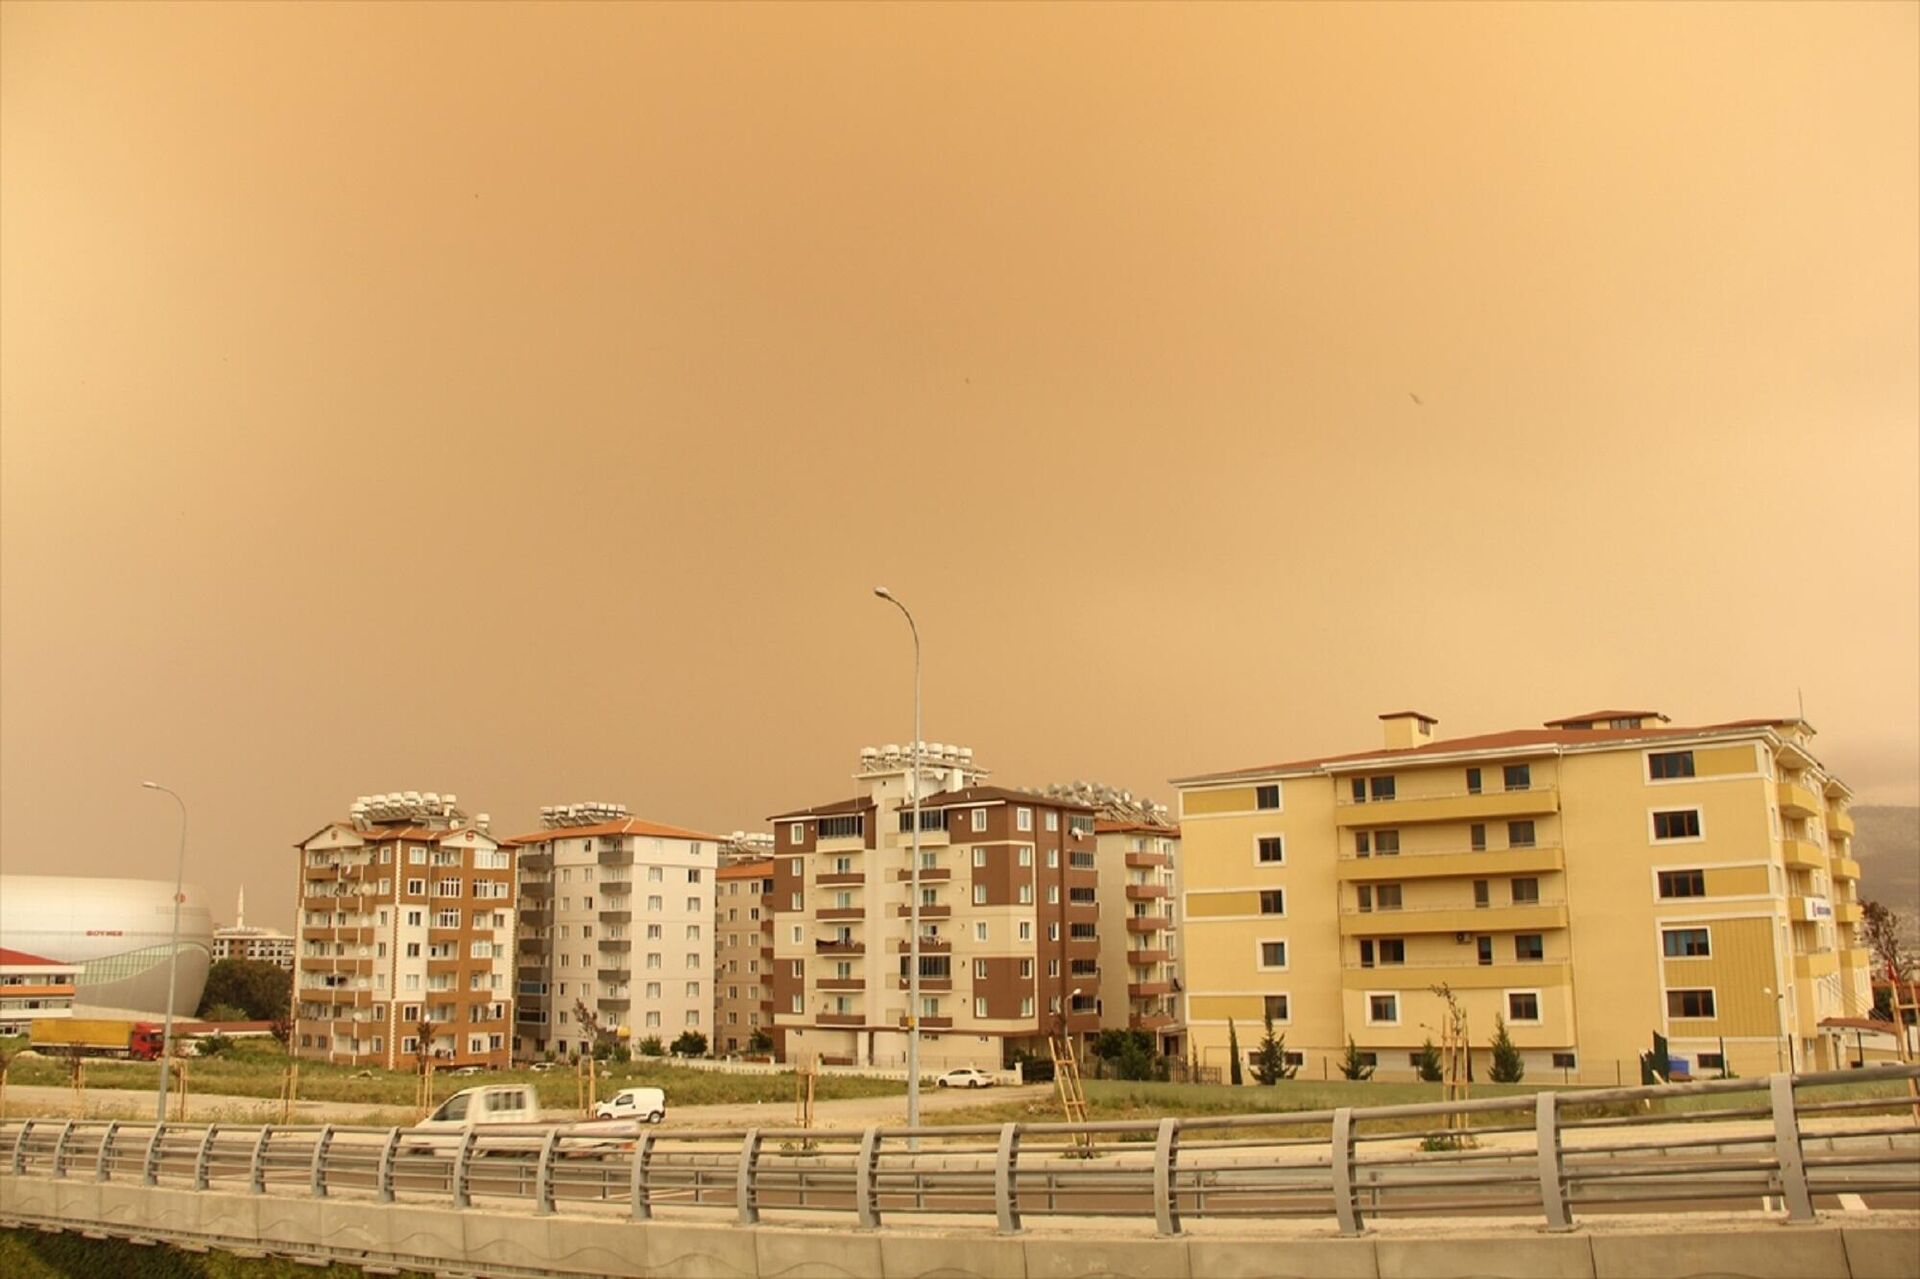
{"points": [[617, 919], [743, 955], [406, 926], [1009, 917]]}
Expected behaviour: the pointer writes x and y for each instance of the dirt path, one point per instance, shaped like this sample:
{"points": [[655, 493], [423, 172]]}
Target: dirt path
{"points": [[852, 1112]]}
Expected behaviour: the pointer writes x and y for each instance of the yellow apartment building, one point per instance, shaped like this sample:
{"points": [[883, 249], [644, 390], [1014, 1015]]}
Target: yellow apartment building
{"points": [[1594, 881]]}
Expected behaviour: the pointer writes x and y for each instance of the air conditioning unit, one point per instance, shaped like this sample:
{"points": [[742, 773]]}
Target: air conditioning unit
{"points": [[1463, 938]]}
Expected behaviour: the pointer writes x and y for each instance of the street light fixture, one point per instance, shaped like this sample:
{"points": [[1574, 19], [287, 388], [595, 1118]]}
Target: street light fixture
{"points": [[913, 905], [1780, 1059], [173, 950]]}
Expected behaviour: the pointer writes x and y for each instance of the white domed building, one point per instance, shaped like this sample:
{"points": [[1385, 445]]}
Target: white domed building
{"points": [[117, 931]]}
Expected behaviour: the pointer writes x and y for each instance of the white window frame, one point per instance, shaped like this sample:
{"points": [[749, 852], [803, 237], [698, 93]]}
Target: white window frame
{"points": [[1269, 834], [1371, 995], [1023, 819], [1696, 809], [1282, 994], [1701, 927], [979, 820], [1260, 963], [1539, 1004]]}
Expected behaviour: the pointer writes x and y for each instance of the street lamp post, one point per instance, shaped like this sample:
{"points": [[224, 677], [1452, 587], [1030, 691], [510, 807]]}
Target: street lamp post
{"points": [[913, 905], [1783, 1046], [173, 950]]}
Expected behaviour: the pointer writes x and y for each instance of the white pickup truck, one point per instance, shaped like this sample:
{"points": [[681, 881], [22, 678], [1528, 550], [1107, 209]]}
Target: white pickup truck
{"points": [[506, 1106]]}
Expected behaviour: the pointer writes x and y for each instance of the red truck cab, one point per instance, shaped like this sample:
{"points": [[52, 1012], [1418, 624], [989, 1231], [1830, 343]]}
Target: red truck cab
{"points": [[145, 1042]]}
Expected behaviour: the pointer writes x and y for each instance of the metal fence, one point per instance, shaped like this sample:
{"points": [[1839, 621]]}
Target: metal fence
{"points": [[1548, 1156]]}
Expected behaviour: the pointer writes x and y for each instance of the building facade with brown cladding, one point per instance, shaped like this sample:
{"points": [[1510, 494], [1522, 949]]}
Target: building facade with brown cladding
{"points": [[405, 938], [1009, 917], [743, 956]]}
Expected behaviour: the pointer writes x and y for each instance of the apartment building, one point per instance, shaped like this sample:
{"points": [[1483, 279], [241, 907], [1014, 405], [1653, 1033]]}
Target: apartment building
{"points": [[405, 938], [1140, 928], [1008, 908], [33, 987], [259, 945], [616, 931], [1592, 882], [743, 955]]}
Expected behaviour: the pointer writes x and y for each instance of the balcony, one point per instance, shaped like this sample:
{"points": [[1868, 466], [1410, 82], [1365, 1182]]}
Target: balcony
{"points": [[1486, 806], [1147, 861], [1142, 958], [834, 946], [1465, 975], [1819, 963], [613, 976], [842, 879], [1797, 801], [1530, 918], [536, 861], [1150, 1021], [614, 857], [1802, 854], [926, 912], [536, 889], [842, 983], [1847, 912], [1840, 825], [842, 913], [1809, 910], [842, 844], [614, 945], [1480, 863], [617, 1003], [1148, 923], [841, 1019], [928, 875], [1143, 892], [930, 1023], [1846, 868], [928, 946], [931, 985], [1148, 989], [621, 915]]}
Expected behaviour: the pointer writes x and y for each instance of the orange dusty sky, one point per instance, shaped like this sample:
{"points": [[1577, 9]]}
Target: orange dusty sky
{"points": [[523, 402]]}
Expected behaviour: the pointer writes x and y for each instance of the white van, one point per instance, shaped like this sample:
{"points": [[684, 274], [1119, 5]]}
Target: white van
{"points": [[649, 1104], [474, 1108]]}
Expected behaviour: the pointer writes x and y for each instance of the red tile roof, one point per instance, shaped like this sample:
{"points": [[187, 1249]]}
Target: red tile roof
{"points": [[21, 959], [757, 869], [620, 826], [1594, 717]]}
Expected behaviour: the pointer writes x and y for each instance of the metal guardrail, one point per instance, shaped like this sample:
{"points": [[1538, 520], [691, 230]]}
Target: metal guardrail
{"points": [[1506, 1155]]}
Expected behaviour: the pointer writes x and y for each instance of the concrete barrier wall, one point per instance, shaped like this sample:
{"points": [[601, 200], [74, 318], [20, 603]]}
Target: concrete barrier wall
{"points": [[428, 1238]]}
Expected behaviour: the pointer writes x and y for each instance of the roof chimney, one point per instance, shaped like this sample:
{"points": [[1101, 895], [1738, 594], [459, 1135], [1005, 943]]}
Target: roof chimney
{"points": [[1407, 729]]}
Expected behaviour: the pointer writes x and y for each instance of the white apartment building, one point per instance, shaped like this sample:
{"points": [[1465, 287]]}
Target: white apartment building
{"points": [[617, 924], [261, 945]]}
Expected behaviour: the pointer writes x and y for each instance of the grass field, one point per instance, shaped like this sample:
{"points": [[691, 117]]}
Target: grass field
{"points": [[28, 1254], [256, 1068]]}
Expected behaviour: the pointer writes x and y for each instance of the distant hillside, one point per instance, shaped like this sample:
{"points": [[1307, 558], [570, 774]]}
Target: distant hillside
{"points": [[1886, 843]]}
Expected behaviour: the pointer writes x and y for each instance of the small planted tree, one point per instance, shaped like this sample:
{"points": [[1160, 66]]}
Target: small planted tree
{"points": [[1507, 1067], [690, 1044], [1234, 1076], [1429, 1064], [760, 1042], [1270, 1058], [652, 1047], [1352, 1065]]}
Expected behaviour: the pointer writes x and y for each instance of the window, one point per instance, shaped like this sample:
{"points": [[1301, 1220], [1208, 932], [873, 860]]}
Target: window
{"points": [[1267, 796], [980, 930], [1053, 820], [1273, 901], [1483, 950], [1383, 1010], [1026, 894], [979, 894], [1386, 843], [1363, 893], [1381, 789], [1477, 837], [1023, 819], [1026, 855], [979, 819], [1393, 950], [1473, 781], [1528, 946], [842, 827], [1270, 850], [979, 857], [1273, 954], [1523, 1005], [1386, 896], [1712, 1061], [1026, 929], [980, 1006], [1517, 776], [1480, 898], [1526, 891], [1686, 943], [1359, 790], [1519, 834], [1666, 765], [1690, 1003], [1276, 1007], [796, 834], [1683, 883], [1678, 823], [1362, 844]]}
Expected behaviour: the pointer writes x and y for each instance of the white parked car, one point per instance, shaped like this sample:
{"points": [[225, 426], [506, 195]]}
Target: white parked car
{"points": [[649, 1104], [966, 1077]]}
